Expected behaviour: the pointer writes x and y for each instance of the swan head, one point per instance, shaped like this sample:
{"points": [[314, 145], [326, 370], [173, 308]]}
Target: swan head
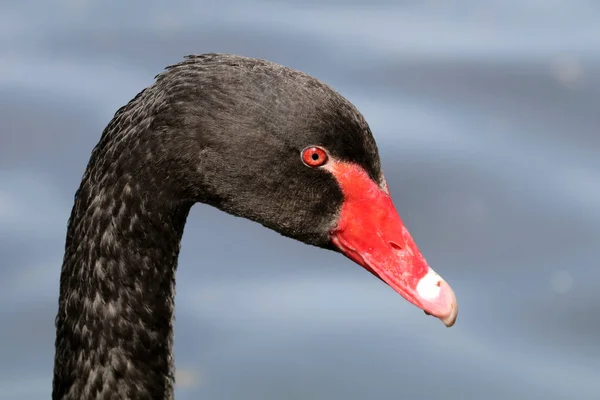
{"points": [[276, 146]]}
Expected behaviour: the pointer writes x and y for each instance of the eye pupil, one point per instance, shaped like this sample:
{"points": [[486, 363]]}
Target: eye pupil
{"points": [[315, 156]]}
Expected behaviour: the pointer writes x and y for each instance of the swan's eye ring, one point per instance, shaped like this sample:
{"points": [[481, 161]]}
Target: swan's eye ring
{"points": [[314, 156]]}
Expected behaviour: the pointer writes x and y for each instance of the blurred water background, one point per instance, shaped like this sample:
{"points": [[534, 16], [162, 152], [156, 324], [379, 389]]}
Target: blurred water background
{"points": [[487, 116]]}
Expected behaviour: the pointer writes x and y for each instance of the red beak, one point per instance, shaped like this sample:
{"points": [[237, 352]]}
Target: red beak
{"points": [[370, 232]]}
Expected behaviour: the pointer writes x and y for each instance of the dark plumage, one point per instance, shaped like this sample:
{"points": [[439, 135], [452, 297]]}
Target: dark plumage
{"points": [[252, 138], [218, 129]]}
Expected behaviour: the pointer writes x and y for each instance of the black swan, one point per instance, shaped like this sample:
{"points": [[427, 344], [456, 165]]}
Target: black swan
{"points": [[252, 138]]}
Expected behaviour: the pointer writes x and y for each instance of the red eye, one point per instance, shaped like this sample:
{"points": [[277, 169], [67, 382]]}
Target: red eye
{"points": [[314, 156]]}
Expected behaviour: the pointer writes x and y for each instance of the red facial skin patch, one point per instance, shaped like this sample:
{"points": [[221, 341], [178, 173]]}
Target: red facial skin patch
{"points": [[370, 232]]}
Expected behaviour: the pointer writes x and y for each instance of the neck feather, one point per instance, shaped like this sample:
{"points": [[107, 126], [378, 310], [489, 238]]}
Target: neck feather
{"points": [[114, 324]]}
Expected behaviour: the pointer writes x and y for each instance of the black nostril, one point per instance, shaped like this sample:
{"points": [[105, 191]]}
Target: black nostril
{"points": [[395, 246]]}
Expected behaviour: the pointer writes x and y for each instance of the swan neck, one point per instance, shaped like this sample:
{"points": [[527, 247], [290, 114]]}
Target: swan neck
{"points": [[114, 328]]}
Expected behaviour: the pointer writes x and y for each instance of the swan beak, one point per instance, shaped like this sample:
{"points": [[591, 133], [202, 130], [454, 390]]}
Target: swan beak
{"points": [[370, 232]]}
